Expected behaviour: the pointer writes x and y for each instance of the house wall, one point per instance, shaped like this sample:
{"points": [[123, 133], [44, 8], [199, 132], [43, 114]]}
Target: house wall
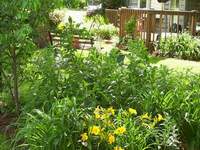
{"points": [[133, 3], [183, 5], [193, 5], [155, 5]]}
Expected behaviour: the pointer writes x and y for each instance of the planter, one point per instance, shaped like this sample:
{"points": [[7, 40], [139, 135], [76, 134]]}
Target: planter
{"points": [[108, 42], [76, 43]]}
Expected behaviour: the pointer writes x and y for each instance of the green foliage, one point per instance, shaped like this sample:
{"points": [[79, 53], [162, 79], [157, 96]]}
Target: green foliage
{"points": [[106, 81], [97, 19], [20, 21], [129, 130], [184, 46], [4, 143], [63, 125], [105, 31], [63, 87], [130, 26], [99, 26], [113, 4], [59, 128], [75, 3]]}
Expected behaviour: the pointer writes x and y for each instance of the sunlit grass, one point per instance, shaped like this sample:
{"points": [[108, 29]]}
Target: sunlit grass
{"points": [[177, 64]]}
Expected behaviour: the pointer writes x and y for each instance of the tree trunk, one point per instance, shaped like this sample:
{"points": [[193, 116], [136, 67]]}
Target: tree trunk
{"points": [[1, 79], [15, 81]]}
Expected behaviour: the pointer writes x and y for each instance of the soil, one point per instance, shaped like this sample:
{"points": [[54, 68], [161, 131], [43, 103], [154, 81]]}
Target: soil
{"points": [[6, 121]]}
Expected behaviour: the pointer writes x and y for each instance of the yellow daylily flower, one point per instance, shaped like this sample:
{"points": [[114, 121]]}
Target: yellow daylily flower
{"points": [[132, 111], [118, 148], [111, 111], [146, 116], [84, 137], [158, 118], [61, 26], [97, 116], [111, 138], [97, 110], [95, 130], [120, 130]]}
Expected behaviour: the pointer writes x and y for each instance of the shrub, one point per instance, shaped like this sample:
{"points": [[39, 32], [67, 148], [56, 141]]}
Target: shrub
{"points": [[104, 80], [105, 31], [184, 46], [130, 27]]}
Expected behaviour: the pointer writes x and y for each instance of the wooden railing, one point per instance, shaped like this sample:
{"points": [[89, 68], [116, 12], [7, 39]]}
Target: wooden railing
{"points": [[113, 16], [154, 24]]}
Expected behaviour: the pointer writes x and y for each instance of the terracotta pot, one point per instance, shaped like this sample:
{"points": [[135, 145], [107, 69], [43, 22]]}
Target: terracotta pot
{"points": [[108, 42], [76, 43]]}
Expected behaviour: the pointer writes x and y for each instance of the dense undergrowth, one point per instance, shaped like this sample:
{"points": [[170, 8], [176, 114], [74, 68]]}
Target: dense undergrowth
{"points": [[68, 101], [65, 88]]}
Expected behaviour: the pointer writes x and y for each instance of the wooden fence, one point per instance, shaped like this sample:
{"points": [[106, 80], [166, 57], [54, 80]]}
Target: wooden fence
{"points": [[113, 16], [154, 24]]}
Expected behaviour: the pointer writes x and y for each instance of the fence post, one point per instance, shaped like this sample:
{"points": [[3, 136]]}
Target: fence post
{"points": [[148, 30], [193, 23], [120, 22]]}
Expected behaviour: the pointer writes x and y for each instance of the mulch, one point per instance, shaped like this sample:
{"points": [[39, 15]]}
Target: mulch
{"points": [[6, 124]]}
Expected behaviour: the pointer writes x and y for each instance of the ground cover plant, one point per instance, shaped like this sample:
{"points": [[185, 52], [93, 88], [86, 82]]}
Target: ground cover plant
{"points": [[184, 46]]}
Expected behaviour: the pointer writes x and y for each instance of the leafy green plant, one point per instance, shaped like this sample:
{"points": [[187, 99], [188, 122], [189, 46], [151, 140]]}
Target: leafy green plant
{"points": [[105, 31], [104, 80], [68, 126], [97, 19], [184, 46], [75, 3], [130, 27], [59, 128], [125, 129], [19, 20]]}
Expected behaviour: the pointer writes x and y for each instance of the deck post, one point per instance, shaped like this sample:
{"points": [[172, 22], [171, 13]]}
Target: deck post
{"points": [[193, 23], [148, 30], [120, 22]]}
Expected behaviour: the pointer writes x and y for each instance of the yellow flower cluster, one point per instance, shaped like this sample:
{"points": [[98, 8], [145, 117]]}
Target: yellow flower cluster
{"points": [[146, 116], [120, 130], [132, 111], [152, 121], [111, 138], [106, 126], [101, 113], [95, 130], [84, 137], [158, 118]]}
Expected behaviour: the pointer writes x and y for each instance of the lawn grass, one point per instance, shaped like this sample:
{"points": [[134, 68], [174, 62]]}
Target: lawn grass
{"points": [[177, 64]]}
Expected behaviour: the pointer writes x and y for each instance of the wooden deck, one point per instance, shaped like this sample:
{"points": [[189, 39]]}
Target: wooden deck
{"points": [[154, 24]]}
